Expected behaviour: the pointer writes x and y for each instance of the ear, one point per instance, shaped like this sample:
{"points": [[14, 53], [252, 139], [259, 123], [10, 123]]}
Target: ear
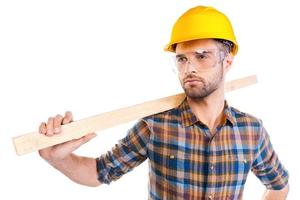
{"points": [[227, 62]]}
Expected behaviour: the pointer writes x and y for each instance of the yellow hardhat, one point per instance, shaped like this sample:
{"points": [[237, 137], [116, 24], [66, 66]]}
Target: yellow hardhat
{"points": [[202, 23]]}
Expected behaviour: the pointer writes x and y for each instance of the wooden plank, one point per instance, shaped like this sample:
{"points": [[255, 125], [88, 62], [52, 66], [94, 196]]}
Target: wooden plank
{"points": [[34, 141]]}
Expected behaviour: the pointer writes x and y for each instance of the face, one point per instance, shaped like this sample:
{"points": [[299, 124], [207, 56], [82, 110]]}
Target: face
{"points": [[202, 65]]}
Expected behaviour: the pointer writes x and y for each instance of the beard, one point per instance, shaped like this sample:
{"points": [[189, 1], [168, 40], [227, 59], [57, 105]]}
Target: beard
{"points": [[197, 88]]}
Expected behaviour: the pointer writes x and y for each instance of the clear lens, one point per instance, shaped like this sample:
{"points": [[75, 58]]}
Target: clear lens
{"points": [[201, 59]]}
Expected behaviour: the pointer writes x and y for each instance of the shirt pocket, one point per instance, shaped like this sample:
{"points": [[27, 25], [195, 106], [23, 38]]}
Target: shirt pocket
{"points": [[238, 165], [176, 164]]}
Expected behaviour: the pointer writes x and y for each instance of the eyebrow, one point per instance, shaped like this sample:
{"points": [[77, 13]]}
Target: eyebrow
{"points": [[180, 55], [203, 51], [199, 51]]}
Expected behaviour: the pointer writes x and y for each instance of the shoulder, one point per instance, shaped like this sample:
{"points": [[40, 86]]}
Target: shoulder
{"points": [[249, 126], [245, 119], [170, 116]]}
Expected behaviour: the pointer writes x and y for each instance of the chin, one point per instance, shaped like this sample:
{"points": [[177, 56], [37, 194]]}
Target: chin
{"points": [[200, 93]]}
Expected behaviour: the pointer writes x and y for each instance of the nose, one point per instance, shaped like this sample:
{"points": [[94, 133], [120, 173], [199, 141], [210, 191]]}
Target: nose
{"points": [[190, 68]]}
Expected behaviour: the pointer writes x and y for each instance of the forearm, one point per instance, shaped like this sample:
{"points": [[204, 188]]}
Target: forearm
{"points": [[276, 194], [81, 170]]}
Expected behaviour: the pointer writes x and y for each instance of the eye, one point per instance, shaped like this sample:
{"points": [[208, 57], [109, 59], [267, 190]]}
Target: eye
{"points": [[201, 56], [181, 59]]}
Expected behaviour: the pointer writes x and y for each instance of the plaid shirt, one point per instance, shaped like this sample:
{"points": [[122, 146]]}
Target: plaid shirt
{"points": [[187, 162]]}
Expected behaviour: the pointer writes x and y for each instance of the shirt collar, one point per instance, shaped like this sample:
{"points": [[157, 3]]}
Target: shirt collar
{"points": [[188, 118]]}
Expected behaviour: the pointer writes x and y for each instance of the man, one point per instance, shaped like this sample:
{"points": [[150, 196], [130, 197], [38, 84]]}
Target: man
{"points": [[203, 149]]}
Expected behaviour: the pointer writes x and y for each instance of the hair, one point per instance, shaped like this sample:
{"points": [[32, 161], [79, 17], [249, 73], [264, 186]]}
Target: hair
{"points": [[226, 45]]}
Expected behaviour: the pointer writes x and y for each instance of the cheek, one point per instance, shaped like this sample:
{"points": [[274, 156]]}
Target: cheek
{"points": [[180, 77]]}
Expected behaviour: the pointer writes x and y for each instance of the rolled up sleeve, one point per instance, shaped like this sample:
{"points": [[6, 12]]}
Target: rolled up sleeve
{"points": [[267, 166], [127, 154]]}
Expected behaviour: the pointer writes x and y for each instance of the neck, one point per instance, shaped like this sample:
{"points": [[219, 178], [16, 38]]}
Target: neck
{"points": [[209, 109]]}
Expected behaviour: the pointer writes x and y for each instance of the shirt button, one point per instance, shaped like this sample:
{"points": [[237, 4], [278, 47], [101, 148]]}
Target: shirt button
{"points": [[212, 168]]}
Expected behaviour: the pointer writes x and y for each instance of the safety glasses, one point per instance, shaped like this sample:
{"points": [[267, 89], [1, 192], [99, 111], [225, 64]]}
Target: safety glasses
{"points": [[200, 60]]}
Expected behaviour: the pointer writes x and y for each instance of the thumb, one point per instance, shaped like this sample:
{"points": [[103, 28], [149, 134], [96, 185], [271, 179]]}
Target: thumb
{"points": [[76, 143]]}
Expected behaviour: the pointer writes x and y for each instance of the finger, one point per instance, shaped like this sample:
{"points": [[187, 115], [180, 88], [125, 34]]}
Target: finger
{"points": [[43, 128], [68, 117], [57, 124], [50, 126]]}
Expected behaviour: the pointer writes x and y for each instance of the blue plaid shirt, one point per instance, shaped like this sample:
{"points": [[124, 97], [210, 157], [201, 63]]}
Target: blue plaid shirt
{"points": [[187, 162]]}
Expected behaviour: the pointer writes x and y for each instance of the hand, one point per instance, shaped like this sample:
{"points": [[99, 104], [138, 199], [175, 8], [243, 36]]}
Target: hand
{"points": [[60, 151]]}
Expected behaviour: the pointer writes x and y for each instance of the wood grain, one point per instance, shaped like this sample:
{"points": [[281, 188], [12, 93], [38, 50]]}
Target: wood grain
{"points": [[34, 141]]}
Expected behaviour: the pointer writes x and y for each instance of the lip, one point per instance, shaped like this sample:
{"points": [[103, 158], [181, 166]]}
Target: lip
{"points": [[191, 80]]}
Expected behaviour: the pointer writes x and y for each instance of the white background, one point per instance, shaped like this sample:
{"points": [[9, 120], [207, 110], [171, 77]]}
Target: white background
{"points": [[94, 56]]}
